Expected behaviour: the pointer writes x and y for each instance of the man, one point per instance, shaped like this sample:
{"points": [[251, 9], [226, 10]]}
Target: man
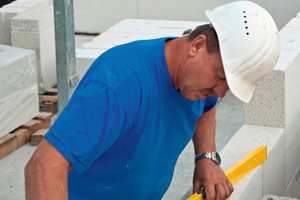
{"points": [[140, 103]]}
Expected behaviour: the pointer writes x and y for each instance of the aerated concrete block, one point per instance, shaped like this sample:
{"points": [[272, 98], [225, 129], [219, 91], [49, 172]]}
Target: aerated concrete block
{"points": [[35, 30], [292, 189], [250, 187], [34, 20], [275, 104], [275, 100], [294, 23], [5, 15], [85, 58], [272, 197], [290, 38], [270, 175], [128, 37], [292, 110], [18, 88], [11, 10], [154, 27]]}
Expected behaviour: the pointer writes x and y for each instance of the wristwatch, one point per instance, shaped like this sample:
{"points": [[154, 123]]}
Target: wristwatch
{"points": [[212, 155]]}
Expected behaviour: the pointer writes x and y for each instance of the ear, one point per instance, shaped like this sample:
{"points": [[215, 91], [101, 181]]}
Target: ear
{"points": [[199, 43]]}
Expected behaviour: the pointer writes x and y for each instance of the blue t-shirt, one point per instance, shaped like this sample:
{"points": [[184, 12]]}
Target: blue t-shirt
{"points": [[125, 125]]}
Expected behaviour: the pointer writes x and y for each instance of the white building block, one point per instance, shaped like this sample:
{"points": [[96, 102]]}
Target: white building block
{"points": [[96, 16], [294, 23], [292, 110], [128, 37], [127, 31], [272, 197], [35, 30], [18, 88], [267, 106], [292, 189], [85, 58], [290, 38], [250, 187], [275, 103], [298, 15], [265, 178], [34, 20], [5, 15], [154, 27]]}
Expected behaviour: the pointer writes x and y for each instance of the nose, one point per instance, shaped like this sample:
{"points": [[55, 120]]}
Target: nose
{"points": [[221, 88]]}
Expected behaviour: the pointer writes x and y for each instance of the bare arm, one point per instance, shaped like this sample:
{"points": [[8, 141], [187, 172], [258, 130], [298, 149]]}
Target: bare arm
{"points": [[46, 174], [208, 174]]}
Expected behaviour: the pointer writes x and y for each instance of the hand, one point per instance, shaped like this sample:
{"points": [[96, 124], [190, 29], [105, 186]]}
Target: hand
{"points": [[209, 175]]}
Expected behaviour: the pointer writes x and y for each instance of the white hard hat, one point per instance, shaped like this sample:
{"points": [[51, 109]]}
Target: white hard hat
{"points": [[249, 44]]}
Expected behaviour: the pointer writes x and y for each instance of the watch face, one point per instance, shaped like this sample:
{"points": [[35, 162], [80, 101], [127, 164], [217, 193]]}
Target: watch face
{"points": [[218, 158]]}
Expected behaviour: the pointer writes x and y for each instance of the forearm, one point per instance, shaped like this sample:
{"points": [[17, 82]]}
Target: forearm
{"points": [[46, 180], [204, 135]]}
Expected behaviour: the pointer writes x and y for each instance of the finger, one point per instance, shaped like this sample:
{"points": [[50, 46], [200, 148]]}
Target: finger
{"points": [[210, 192], [230, 186], [220, 192], [196, 187], [227, 190]]}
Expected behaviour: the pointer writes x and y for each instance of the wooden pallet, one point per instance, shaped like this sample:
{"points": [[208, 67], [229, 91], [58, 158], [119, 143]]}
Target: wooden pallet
{"points": [[49, 101], [21, 136]]}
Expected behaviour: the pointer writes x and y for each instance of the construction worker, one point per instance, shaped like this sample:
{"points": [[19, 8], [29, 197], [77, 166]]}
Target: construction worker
{"points": [[140, 104]]}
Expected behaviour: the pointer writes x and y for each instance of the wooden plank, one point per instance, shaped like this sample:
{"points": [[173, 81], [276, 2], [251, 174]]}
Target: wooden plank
{"points": [[49, 107], [32, 126], [11, 142], [241, 168], [38, 136], [21, 136], [48, 98], [43, 116], [52, 91]]}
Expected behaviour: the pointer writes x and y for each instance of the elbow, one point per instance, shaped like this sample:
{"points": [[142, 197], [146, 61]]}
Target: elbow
{"points": [[28, 168]]}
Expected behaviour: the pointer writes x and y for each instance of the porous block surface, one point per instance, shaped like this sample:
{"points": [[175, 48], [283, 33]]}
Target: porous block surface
{"points": [[267, 106]]}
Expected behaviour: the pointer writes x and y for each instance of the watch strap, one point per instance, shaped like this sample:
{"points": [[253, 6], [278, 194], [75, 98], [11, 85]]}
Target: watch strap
{"points": [[211, 155]]}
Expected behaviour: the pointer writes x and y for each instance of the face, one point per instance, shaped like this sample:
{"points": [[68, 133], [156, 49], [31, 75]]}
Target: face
{"points": [[202, 75]]}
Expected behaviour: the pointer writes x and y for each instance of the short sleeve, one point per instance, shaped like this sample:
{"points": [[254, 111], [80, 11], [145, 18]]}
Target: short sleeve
{"points": [[210, 102], [91, 122]]}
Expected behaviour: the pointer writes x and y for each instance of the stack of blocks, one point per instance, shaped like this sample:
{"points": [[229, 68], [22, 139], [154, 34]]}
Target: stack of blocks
{"points": [[34, 29], [18, 88], [29, 24], [9, 11], [272, 119]]}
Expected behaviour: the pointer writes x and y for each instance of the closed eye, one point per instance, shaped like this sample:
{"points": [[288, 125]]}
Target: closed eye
{"points": [[222, 77]]}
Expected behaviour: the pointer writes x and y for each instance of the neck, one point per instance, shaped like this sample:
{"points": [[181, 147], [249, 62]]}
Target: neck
{"points": [[176, 52]]}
